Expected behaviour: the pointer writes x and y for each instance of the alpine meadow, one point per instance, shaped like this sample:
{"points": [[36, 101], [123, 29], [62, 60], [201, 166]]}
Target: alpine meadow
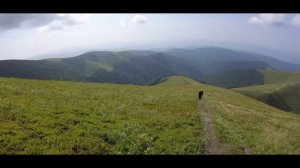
{"points": [[124, 84]]}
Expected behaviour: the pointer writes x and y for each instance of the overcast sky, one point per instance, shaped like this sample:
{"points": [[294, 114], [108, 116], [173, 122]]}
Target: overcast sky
{"points": [[26, 35]]}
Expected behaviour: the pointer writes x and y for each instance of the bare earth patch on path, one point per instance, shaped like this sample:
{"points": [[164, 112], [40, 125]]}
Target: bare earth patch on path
{"points": [[213, 146]]}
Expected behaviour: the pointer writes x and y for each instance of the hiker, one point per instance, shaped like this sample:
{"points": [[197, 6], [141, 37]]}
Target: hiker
{"points": [[200, 94]]}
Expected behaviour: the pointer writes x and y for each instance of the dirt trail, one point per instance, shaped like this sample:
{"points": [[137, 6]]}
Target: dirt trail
{"points": [[247, 150], [213, 146]]}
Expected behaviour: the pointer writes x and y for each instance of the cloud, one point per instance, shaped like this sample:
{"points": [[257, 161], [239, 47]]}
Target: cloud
{"points": [[14, 21], [268, 19], [123, 23], [255, 20], [41, 21], [296, 20], [63, 21], [139, 19]]}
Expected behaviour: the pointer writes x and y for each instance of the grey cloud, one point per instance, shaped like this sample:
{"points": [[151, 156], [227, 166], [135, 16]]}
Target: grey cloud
{"points": [[13, 21], [62, 21], [296, 20], [47, 22]]}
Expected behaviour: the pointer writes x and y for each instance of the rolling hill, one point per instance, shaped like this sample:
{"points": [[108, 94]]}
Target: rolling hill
{"points": [[281, 89], [174, 81], [133, 67], [236, 78], [60, 117], [206, 57], [209, 65]]}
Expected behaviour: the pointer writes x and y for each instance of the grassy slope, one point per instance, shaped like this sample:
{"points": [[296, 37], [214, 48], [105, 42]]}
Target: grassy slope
{"points": [[242, 122], [281, 90], [52, 117], [68, 117], [272, 76], [176, 81], [235, 78], [262, 128]]}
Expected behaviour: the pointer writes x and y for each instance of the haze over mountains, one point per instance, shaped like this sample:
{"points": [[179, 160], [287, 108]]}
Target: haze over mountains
{"points": [[259, 76], [213, 65], [282, 55]]}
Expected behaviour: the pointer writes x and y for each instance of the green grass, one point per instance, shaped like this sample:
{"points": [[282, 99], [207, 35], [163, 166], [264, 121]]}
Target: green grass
{"points": [[55, 117], [281, 90], [176, 81], [242, 122], [52, 117], [273, 76], [235, 78]]}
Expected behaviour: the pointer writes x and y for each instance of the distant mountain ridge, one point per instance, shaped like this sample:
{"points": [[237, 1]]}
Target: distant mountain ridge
{"points": [[144, 67]]}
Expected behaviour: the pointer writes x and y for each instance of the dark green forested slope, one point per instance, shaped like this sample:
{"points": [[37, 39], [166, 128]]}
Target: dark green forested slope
{"points": [[281, 89], [209, 65]]}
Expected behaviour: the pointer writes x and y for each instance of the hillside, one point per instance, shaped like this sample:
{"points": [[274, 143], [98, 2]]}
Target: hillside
{"points": [[209, 65], [128, 67], [206, 57], [175, 81], [281, 90], [235, 78], [53, 117], [59, 117]]}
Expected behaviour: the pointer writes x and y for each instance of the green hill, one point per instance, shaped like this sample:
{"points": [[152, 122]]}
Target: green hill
{"points": [[175, 81], [236, 78], [59, 117], [206, 59], [281, 90], [271, 76], [126, 67], [209, 65]]}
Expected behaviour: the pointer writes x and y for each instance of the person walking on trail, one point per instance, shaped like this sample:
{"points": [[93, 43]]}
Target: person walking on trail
{"points": [[200, 94]]}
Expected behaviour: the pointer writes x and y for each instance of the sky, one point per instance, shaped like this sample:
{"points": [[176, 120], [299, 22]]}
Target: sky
{"points": [[27, 35]]}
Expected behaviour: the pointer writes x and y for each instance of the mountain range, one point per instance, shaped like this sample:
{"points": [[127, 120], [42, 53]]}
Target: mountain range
{"points": [[216, 66]]}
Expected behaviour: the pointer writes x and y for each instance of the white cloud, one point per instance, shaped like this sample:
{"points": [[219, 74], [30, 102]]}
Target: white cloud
{"points": [[123, 23], [63, 21], [268, 19], [255, 20], [296, 20], [139, 19]]}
